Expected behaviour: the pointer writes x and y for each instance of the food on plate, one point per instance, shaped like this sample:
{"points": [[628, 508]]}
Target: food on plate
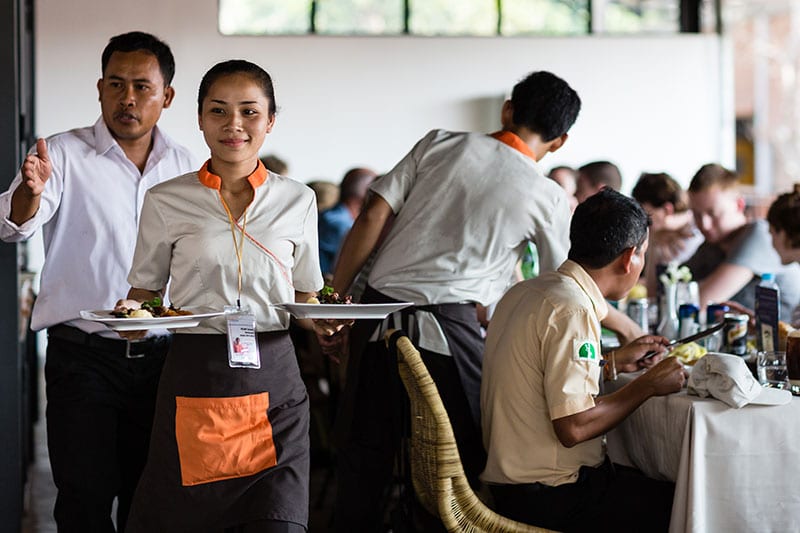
{"points": [[128, 304], [149, 309], [688, 353], [312, 300], [328, 296]]}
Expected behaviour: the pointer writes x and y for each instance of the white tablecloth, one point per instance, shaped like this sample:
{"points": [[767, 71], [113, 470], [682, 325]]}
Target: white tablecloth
{"points": [[734, 469]]}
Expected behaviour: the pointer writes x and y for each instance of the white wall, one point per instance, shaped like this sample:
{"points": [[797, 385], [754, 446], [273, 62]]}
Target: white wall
{"points": [[650, 104]]}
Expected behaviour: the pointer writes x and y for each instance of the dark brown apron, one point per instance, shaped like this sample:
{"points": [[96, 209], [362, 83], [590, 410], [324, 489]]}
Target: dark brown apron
{"points": [[229, 445]]}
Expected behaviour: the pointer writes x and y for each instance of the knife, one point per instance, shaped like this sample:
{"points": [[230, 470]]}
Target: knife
{"points": [[691, 338]]}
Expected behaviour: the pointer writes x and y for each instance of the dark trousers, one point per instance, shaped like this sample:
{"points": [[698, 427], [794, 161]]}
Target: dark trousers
{"points": [[100, 408], [606, 498], [365, 454]]}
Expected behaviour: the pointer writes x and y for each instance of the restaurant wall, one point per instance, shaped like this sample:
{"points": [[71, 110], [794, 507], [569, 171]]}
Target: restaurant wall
{"points": [[650, 103]]}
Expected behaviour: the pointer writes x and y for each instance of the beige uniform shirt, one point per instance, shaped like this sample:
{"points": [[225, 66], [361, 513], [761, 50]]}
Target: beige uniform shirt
{"points": [[185, 238], [542, 362]]}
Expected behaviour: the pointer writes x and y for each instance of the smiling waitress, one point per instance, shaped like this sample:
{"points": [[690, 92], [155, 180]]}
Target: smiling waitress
{"points": [[230, 446]]}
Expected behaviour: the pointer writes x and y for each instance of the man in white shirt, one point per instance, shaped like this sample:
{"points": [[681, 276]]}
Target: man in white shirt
{"points": [[542, 418], [85, 189], [465, 206]]}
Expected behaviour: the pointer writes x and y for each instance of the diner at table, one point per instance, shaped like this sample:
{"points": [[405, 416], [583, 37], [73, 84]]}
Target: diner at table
{"points": [[784, 228], [736, 251], [542, 419]]}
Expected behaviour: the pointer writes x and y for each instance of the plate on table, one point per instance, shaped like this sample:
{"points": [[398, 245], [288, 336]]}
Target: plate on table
{"points": [[164, 322], [342, 311]]}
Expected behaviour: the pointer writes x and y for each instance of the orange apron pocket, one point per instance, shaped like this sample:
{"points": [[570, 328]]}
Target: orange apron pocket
{"points": [[223, 438]]}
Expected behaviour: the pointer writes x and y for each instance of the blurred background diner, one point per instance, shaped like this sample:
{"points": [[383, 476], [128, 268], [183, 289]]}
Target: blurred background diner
{"points": [[673, 234], [596, 176], [327, 193], [736, 251], [275, 164], [334, 222], [784, 227]]}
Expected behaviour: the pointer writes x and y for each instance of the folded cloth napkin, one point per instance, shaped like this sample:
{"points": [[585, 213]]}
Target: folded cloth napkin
{"points": [[727, 378]]}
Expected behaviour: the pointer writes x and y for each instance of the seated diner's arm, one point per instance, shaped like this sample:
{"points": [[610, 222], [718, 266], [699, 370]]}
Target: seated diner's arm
{"points": [[723, 283], [626, 329], [665, 378]]}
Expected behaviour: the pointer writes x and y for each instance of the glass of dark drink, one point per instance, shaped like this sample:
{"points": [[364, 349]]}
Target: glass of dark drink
{"points": [[793, 355]]}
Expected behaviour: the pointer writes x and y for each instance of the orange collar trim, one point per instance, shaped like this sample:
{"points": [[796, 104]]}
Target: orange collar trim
{"points": [[512, 139], [212, 181]]}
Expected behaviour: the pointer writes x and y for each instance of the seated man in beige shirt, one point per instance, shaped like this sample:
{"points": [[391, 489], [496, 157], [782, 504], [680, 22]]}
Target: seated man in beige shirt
{"points": [[541, 414]]}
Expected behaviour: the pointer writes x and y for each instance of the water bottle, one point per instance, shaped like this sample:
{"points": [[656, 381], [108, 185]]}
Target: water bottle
{"points": [[767, 312]]}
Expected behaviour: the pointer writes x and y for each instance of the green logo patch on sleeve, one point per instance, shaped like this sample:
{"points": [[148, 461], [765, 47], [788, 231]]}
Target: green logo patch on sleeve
{"points": [[586, 350]]}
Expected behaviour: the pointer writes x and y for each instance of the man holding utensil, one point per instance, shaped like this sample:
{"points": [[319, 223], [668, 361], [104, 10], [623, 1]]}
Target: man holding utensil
{"points": [[543, 366], [85, 188]]}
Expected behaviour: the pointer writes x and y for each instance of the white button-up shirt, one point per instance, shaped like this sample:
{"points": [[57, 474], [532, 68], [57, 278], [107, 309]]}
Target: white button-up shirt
{"points": [[467, 204], [89, 212]]}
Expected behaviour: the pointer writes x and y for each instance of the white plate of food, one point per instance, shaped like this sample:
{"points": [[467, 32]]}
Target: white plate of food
{"points": [[342, 311], [197, 315]]}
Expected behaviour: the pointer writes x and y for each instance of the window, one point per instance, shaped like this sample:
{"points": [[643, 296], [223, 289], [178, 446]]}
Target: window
{"points": [[448, 17], [262, 17], [348, 17], [465, 17], [641, 16], [544, 17]]}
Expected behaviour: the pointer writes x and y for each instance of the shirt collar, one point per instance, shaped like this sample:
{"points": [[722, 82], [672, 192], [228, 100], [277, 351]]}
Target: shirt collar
{"points": [[105, 141], [584, 280], [513, 140], [212, 181]]}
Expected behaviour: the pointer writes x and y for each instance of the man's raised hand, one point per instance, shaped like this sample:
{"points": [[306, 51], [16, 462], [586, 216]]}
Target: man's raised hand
{"points": [[36, 169]]}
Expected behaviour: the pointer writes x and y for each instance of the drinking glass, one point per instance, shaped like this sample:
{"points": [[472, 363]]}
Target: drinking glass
{"points": [[687, 293], [771, 368], [793, 354]]}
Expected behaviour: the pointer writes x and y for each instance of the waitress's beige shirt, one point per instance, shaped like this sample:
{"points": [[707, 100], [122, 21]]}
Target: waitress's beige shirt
{"points": [[185, 239]]}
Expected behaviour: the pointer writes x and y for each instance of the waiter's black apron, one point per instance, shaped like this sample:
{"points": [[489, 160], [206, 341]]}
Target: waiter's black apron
{"points": [[229, 445], [461, 329]]}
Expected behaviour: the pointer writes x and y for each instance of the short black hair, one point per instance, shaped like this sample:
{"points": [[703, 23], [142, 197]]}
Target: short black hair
{"points": [[355, 183], [237, 66], [138, 40], [602, 173], [545, 104], [604, 226]]}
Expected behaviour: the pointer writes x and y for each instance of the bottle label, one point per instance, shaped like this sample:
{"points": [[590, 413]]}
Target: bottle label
{"points": [[767, 311]]}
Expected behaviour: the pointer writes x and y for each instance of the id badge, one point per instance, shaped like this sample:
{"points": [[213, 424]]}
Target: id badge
{"points": [[242, 343]]}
